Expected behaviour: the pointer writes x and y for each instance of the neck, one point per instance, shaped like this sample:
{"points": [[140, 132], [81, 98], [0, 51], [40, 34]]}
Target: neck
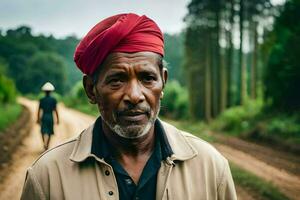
{"points": [[130, 147]]}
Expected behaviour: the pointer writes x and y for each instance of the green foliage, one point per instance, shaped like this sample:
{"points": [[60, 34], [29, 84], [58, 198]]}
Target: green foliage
{"points": [[279, 128], [78, 93], [19, 47], [9, 114], [255, 184], [284, 126], [7, 86], [7, 90], [239, 119], [254, 122], [282, 76], [43, 67], [77, 99], [174, 56], [175, 101]]}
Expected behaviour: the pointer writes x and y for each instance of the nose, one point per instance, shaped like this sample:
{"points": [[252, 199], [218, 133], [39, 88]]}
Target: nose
{"points": [[134, 94]]}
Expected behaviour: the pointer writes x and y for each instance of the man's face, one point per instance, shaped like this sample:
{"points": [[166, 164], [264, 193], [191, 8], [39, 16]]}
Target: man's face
{"points": [[128, 92]]}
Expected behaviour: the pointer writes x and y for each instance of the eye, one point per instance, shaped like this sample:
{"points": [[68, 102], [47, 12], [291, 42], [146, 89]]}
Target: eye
{"points": [[148, 78], [115, 82]]}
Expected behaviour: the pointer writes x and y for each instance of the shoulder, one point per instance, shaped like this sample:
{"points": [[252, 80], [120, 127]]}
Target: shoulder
{"points": [[42, 99], [198, 155], [203, 151], [54, 156], [53, 98]]}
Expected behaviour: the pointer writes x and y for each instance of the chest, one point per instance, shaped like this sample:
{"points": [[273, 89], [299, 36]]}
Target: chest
{"points": [[96, 182]]}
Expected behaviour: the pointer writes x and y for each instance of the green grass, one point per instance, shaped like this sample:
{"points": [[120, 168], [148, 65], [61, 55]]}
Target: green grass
{"points": [[9, 114], [249, 181]]}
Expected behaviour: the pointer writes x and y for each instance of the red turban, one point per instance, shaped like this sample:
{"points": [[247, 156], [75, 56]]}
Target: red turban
{"points": [[120, 33]]}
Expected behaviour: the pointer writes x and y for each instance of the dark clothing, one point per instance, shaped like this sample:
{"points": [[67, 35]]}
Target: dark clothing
{"points": [[47, 105], [146, 187]]}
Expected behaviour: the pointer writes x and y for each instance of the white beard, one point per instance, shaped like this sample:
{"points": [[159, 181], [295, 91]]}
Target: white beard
{"points": [[132, 131]]}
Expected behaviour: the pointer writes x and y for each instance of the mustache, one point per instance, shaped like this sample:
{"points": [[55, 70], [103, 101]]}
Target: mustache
{"points": [[131, 110]]}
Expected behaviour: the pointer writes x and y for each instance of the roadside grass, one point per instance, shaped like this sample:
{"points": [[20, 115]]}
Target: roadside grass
{"points": [[9, 114], [255, 122], [250, 182]]}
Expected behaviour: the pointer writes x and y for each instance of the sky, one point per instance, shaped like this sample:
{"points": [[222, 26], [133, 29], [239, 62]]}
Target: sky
{"points": [[76, 17]]}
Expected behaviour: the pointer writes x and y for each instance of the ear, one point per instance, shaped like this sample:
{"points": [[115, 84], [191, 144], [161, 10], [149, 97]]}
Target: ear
{"points": [[88, 84], [164, 79], [164, 76]]}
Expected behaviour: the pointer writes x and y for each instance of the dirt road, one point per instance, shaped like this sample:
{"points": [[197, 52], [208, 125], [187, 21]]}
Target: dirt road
{"points": [[278, 167], [287, 183], [72, 123], [259, 161]]}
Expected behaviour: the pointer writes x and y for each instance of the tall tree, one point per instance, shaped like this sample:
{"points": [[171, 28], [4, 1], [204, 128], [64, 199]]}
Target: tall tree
{"points": [[231, 13], [282, 75], [241, 65]]}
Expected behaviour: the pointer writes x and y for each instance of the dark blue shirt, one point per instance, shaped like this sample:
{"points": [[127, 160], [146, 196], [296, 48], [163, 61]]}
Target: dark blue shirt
{"points": [[48, 104], [146, 187]]}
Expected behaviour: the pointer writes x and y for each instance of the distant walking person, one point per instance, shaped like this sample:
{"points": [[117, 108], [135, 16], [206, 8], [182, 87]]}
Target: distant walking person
{"points": [[47, 106]]}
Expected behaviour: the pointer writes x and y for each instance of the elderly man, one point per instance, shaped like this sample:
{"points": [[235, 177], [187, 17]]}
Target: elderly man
{"points": [[128, 153]]}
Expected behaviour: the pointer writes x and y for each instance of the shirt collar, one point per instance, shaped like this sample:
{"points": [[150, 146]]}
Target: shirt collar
{"points": [[102, 149]]}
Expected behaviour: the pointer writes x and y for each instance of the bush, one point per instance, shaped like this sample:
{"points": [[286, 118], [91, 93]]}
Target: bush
{"points": [[77, 99], [240, 118], [7, 90], [175, 101], [9, 114], [282, 129]]}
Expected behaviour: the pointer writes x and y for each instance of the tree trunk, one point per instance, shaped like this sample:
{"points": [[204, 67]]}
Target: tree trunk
{"points": [[241, 66], [224, 88], [216, 62], [207, 81], [230, 55], [253, 90]]}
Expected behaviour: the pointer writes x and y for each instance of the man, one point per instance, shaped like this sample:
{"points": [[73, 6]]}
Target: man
{"points": [[128, 153], [47, 106]]}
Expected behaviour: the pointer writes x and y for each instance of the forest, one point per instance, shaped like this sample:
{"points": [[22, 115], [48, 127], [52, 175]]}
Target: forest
{"points": [[234, 67], [234, 79]]}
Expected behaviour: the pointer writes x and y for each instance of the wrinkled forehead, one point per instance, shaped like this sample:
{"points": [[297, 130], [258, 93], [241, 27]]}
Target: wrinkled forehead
{"points": [[130, 58], [125, 61]]}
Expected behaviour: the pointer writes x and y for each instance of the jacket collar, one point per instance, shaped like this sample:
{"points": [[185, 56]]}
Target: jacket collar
{"points": [[182, 149]]}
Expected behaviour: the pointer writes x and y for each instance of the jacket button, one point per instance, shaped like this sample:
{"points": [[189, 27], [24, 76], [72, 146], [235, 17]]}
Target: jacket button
{"points": [[110, 193], [107, 173]]}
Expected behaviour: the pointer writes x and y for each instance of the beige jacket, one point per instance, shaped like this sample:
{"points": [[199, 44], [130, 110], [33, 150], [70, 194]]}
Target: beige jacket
{"points": [[196, 171]]}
